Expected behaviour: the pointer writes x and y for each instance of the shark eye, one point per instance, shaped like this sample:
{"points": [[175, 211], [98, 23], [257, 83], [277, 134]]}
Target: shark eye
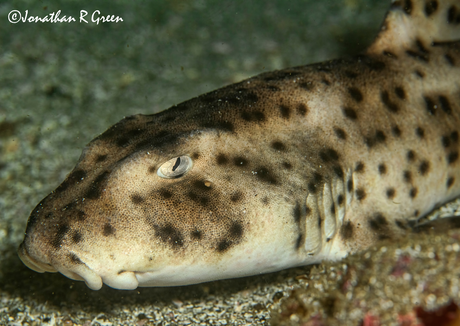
{"points": [[175, 167]]}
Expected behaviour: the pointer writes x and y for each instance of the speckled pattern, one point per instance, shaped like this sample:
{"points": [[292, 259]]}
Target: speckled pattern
{"points": [[62, 85]]}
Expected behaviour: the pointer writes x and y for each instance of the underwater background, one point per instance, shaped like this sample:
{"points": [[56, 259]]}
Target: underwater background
{"points": [[62, 84]]}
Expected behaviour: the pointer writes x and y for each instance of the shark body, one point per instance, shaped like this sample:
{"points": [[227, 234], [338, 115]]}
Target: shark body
{"points": [[284, 169]]}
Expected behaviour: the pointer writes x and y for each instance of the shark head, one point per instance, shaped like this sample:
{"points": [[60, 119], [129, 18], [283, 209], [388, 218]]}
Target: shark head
{"points": [[169, 199]]}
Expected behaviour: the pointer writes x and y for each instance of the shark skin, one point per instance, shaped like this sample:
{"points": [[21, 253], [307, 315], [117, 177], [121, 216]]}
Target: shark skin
{"points": [[284, 169]]}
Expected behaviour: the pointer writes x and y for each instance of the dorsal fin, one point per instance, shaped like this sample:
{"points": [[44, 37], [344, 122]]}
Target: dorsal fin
{"points": [[423, 21]]}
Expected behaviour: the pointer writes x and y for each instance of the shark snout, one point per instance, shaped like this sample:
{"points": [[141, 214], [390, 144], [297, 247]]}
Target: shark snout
{"points": [[79, 272], [33, 264]]}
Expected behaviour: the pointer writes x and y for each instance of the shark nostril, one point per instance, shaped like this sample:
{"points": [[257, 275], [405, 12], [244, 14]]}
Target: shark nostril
{"points": [[73, 275], [82, 272]]}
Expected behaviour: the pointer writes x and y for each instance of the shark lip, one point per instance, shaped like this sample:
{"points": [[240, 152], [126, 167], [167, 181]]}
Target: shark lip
{"points": [[125, 280], [81, 272], [32, 263]]}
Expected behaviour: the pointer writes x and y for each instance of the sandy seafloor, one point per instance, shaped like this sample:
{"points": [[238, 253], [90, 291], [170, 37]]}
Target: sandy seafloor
{"points": [[63, 84]]}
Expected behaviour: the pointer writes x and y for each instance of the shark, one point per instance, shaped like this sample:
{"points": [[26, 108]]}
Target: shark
{"points": [[284, 169]]}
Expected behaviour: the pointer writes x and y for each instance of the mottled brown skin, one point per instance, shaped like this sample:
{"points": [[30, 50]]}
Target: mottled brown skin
{"points": [[373, 140]]}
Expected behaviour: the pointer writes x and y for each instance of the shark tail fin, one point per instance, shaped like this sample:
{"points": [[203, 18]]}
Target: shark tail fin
{"points": [[423, 22]]}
